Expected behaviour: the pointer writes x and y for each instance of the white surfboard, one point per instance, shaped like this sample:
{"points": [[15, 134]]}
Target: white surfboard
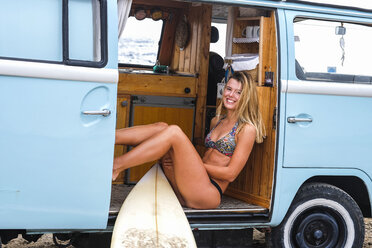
{"points": [[151, 216]]}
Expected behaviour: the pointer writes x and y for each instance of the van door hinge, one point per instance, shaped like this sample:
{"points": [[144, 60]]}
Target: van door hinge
{"points": [[275, 117]]}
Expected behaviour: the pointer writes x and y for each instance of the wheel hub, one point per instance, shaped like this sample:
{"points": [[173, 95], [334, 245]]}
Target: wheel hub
{"points": [[318, 230]]}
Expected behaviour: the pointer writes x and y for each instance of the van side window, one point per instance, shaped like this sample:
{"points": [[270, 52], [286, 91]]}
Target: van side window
{"points": [[332, 51], [31, 33], [71, 32], [83, 32], [139, 44]]}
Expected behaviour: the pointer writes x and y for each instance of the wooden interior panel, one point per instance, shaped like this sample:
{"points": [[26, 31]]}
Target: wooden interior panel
{"points": [[254, 183], [199, 21], [268, 51], [202, 62], [165, 85], [162, 3], [183, 117], [122, 119], [167, 42], [239, 25]]}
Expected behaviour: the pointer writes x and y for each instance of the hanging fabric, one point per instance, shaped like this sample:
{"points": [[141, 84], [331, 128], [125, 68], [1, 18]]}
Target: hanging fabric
{"points": [[123, 14], [229, 31]]}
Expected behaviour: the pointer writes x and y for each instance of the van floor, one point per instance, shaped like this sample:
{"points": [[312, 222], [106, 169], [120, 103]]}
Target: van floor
{"points": [[228, 205]]}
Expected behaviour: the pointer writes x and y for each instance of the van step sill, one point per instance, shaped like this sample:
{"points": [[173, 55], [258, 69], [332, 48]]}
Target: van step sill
{"points": [[228, 205]]}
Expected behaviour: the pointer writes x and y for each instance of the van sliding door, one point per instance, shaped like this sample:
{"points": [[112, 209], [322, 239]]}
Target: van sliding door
{"points": [[58, 101], [329, 92]]}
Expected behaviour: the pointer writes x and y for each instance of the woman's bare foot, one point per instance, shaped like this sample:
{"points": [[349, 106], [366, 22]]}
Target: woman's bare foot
{"points": [[115, 174]]}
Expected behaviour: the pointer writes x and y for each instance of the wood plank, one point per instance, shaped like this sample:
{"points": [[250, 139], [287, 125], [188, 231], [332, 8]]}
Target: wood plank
{"points": [[253, 199], [267, 164], [130, 83], [192, 18], [167, 43], [273, 49], [122, 119], [162, 3], [255, 181], [202, 83], [265, 34], [194, 43]]}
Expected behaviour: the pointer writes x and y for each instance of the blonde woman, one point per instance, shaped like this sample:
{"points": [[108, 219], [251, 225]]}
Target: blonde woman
{"points": [[200, 182]]}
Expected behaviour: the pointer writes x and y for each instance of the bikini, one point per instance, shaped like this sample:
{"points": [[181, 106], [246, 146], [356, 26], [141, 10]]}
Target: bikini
{"points": [[225, 145]]}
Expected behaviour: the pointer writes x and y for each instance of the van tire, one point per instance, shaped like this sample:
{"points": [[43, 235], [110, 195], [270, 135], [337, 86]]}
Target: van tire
{"points": [[321, 215]]}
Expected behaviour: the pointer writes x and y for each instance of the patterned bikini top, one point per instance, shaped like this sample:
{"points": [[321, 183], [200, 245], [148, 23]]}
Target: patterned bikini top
{"points": [[225, 145]]}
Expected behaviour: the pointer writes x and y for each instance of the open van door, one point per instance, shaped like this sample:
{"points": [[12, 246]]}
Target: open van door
{"points": [[58, 97]]}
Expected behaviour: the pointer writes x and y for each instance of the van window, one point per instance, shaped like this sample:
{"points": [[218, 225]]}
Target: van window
{"points": [[31, 33], [219, 46], [139, 43], [332, 51], [70, 32], [83, 40]]}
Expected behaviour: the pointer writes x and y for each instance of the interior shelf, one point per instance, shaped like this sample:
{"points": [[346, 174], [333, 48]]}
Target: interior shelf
{"points": [[246, 40]]}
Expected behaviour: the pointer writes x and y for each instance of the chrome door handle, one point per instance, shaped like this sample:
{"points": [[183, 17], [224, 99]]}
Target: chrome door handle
{"points": [[103, 112], [293, 119]]}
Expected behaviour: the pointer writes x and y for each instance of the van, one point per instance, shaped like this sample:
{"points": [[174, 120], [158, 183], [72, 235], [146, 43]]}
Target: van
{"points": [[71, 71]]}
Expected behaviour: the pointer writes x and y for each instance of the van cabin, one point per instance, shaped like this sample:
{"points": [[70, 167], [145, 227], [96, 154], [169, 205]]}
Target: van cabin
{"points": [[187, 80]]}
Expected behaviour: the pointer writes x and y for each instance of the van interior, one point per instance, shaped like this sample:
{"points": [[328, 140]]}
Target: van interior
{"points": [[179, 80]]}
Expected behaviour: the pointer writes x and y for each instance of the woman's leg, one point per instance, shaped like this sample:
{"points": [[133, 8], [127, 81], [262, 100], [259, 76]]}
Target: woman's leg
{"points": [[168, 169], [191, 178], [137, 134]]}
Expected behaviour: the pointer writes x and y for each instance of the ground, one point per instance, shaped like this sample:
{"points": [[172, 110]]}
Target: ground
{"points": [[259, 240]]}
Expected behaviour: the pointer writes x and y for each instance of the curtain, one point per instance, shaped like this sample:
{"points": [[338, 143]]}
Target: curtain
{"points": [[123, 14], [229, 31]]}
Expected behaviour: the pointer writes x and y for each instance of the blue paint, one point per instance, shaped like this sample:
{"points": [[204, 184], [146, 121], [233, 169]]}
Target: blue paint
{"points": [[56, 163]]}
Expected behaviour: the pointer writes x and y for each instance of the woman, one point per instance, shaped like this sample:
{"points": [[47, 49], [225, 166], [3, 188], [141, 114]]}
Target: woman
{"points": [[199, 182]]}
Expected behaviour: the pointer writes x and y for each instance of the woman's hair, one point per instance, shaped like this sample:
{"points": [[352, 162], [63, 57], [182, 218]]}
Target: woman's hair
{"points": [[248, 110]]}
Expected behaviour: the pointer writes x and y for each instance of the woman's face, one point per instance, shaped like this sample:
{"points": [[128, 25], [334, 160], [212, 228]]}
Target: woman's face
{"points": [[231, 94]]}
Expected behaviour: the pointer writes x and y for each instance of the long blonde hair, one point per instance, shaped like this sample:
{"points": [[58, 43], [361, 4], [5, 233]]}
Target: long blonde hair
{"points": [[248, 110]]}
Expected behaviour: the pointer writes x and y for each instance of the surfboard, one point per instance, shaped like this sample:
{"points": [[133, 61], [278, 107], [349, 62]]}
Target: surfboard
{"points": [[151, 216]]}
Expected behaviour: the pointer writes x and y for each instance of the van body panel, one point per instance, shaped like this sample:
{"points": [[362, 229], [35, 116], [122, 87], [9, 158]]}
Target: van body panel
{"points": [[337, 136], [306, 150], [66, 160], [289, 180], [56, 161]]}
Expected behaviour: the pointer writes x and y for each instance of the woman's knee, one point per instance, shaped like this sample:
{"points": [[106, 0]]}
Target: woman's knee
{"points": [[174, 129], [160, 125]]}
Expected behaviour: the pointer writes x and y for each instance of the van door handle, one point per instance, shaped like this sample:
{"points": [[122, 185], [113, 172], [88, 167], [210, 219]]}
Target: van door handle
{"points": [[103, 112], [293, 119]]}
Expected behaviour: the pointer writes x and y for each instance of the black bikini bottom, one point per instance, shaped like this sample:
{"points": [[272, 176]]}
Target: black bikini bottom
{"points": [[217, 186]]}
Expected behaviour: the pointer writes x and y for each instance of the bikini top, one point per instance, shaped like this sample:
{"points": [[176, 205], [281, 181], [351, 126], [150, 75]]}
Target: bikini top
{"points": [[226, 144]]}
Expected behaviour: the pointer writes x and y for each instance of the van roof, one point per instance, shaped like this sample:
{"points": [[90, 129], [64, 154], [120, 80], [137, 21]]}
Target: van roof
{"points": [[357, 8]]}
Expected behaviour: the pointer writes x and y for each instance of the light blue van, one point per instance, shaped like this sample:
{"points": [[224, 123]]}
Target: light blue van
{"points": [[65, 85]]}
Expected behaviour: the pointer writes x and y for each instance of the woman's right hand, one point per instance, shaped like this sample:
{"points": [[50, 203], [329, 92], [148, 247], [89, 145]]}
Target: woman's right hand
{"points": [[166, 160]]}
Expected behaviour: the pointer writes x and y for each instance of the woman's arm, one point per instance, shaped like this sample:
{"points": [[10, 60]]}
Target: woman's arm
{"points": [[245, 140], [213, 123]]}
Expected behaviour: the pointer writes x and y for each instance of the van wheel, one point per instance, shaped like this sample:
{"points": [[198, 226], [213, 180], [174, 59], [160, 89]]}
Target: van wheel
{"points": [[321, 216]]}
